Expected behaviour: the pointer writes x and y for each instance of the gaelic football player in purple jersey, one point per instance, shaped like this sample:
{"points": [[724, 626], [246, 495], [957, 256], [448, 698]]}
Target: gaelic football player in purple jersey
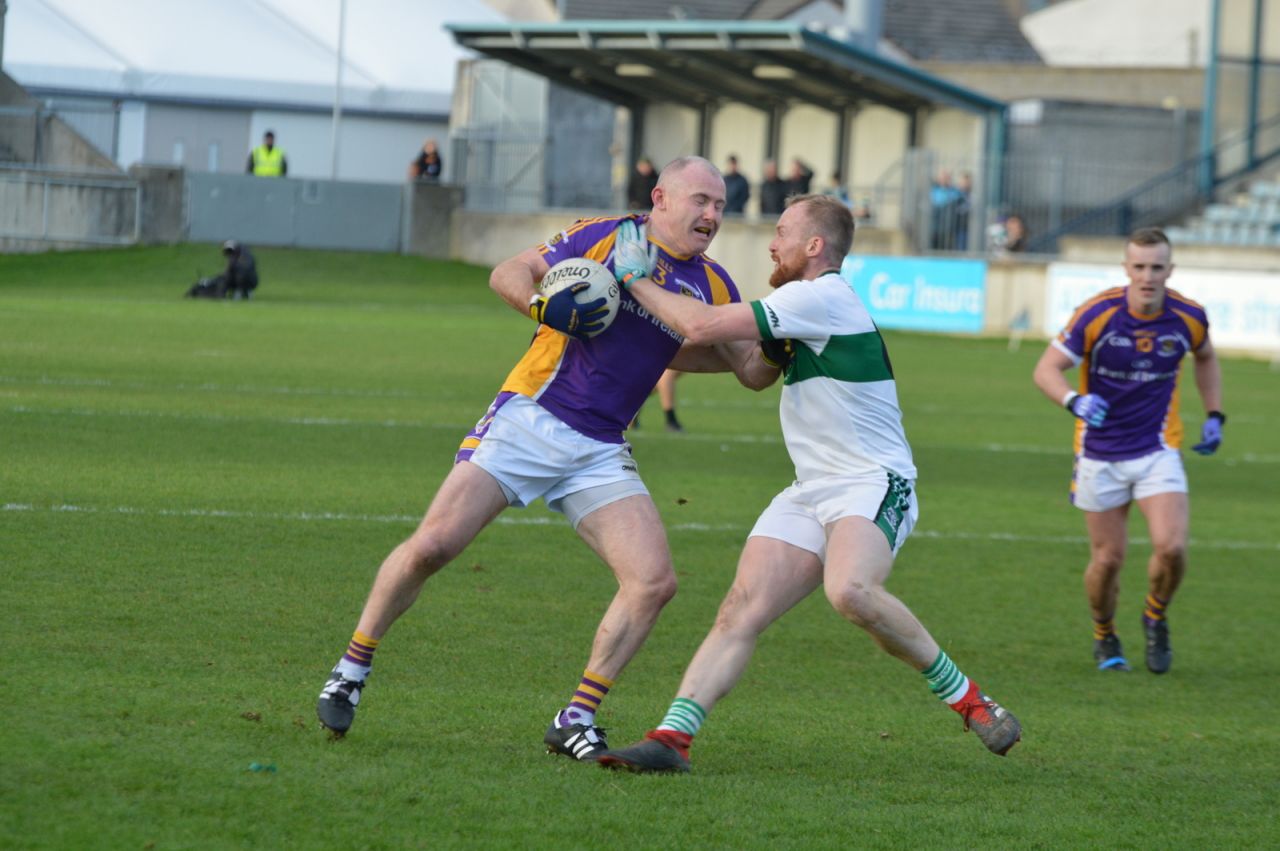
{"points": [[555, 432], [1129, 343]]}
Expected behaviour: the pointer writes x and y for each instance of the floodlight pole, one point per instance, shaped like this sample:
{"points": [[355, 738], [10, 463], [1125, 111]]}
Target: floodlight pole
{"points": [[337, 89]]}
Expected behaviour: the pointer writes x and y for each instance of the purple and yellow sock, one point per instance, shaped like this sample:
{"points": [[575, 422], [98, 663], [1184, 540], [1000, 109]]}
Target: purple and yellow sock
{"points": [[586, 700], [356, 663], [1103, 629], [1154, 612]]}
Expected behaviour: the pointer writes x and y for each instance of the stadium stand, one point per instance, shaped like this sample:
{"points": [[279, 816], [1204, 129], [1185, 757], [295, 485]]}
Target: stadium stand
{"points": [[1251, 218]]}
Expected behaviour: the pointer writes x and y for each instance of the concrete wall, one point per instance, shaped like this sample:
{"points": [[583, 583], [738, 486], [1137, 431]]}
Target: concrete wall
{"points": [[1014, 285], [42, 210], [164, 204], [429, 225]]}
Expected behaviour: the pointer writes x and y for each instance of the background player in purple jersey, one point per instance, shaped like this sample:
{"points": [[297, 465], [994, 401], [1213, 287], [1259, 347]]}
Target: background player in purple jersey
{"points": [[1129, 343], [555, 432]]}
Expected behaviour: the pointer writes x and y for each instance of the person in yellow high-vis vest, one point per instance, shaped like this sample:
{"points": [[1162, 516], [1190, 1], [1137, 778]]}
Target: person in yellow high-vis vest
{"points": [[267, 160]]}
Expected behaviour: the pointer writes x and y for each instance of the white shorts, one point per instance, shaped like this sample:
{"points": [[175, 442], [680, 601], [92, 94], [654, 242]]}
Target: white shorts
{"points": [[1103, 485], [800, 514], [533, 454]]}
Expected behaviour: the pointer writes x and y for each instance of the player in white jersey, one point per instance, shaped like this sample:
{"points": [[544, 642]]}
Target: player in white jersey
{"points": [[853, 503]]}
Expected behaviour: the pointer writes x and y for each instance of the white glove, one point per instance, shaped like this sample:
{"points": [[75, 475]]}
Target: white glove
{"points": [[633, 256]]}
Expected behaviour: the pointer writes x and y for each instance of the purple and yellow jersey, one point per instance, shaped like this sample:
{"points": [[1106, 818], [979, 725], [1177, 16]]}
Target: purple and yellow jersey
{"points": [[596, 386], [1133, 361]]}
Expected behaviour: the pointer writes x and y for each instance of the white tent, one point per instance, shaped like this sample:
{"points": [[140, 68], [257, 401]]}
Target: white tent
{"points": [[198, 81]]}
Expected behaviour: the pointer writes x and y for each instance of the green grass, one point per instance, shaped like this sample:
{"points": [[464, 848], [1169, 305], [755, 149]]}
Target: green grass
{"points": [[194, 497]]}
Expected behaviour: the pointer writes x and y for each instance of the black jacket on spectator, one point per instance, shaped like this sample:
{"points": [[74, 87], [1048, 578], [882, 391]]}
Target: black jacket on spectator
{"points": [[736, 192], [773, 196]]}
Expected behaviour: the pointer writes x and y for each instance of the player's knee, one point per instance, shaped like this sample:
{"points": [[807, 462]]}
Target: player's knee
{"points": [[856, 602], [427, 552], [1174, 553], [1106, 562], [651, 592]]}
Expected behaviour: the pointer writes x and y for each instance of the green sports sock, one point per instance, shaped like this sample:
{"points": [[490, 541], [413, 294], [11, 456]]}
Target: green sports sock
{"points": [[945, 680], [684, 716]]}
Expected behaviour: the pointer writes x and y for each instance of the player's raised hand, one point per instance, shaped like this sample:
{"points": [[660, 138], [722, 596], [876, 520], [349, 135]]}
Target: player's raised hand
{"points": [[1090, 407], [1210, 434], [633, 256], [562, 311]]}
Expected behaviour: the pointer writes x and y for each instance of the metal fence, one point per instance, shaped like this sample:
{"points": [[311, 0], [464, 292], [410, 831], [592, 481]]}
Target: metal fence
{"points": [[298, 213], [500, 173], [965, 205], [1172, 194]]}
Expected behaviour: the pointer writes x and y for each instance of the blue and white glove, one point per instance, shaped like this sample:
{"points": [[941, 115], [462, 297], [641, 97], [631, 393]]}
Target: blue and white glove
{"points": [[1090, 407], [1211, 434], [633, 256], [562, 311]]}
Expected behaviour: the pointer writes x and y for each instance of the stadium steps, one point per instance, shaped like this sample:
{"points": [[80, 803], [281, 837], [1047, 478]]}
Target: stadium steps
{"points": [[1251, 218]]}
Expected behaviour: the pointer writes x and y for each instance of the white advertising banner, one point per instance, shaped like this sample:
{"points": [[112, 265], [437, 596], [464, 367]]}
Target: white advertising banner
{"points": [[1243, 307]]}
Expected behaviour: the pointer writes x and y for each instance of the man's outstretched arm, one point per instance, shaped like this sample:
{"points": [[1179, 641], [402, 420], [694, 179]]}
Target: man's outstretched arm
{"points": [[743, 359]]}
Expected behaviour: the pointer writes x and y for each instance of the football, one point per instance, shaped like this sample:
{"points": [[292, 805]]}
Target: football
{"points": [[574, 270]]}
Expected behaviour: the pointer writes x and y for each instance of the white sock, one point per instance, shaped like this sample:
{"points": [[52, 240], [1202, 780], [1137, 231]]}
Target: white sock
{"points": [[352, 671]]}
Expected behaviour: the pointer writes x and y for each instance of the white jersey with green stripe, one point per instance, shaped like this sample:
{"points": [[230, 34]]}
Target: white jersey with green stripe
{"points": [[839, 411]]}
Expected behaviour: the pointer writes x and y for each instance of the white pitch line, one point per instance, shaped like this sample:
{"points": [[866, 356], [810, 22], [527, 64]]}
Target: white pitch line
{"points": [[516, 520], [212, 387], [221, 418], [1247, 458]]}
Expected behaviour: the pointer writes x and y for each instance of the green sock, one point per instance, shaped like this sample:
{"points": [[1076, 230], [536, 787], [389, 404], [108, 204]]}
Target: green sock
{"points": [[945, 680], [684, 716]]}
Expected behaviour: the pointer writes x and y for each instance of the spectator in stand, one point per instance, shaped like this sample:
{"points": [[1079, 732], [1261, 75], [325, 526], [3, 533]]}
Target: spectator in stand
{"points": [[943, 198], [800, 178], [737, 190], [1015, 234], [640, 188], [960, 212], [836, 189], [1007, 235], [773, 190], [428, 165]]}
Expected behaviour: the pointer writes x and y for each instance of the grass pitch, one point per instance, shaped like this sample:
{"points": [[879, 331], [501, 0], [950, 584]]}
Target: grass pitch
{"points": [[194, 497]]}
